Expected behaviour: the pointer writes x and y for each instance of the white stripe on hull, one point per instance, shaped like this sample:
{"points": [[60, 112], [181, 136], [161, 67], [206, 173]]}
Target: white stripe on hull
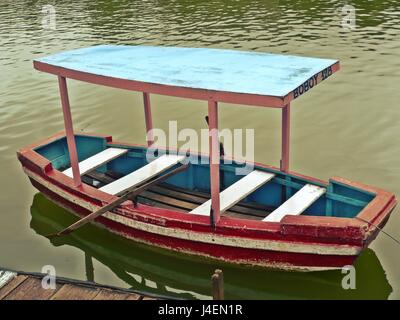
{"points": [[212, 239]]}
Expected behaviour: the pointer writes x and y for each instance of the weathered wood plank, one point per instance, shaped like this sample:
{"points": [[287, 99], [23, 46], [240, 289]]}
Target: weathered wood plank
{"points": [[106, 294], [149, 298], [206, 196], [31, 289], [6, 277], [236, 192], [298, 203], [142, 175], [233, 214], [199, 198], [180, 205], [133, 296], [100, 177], [4, 291], [73, 292], [168, 200], [97, 160], [195, 197], [160, 205]]}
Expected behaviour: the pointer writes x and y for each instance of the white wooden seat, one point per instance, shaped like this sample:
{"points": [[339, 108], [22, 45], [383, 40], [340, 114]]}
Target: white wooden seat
{"points": [[296, 204], [97, 160], [236, 192], [143, 174]]}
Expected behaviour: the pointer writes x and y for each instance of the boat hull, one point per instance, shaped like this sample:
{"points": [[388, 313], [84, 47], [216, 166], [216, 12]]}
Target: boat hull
{"points": [[300, 243]]}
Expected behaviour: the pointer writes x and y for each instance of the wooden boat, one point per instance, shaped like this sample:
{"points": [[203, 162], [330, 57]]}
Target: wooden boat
{"points": [[270, 217], [164, 272]]}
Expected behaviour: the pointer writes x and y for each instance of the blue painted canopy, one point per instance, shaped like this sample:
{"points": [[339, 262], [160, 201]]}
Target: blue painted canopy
{"points": [[199, 68]]}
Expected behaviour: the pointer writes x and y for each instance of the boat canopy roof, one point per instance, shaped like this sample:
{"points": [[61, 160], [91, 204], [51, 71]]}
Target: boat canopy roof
{"points": [[233, 76]]}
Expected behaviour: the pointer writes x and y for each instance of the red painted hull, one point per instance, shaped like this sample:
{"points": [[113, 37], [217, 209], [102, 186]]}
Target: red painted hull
{"points": [[297, 243]]}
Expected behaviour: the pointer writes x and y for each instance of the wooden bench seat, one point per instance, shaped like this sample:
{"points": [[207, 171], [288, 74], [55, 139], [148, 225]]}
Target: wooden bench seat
{"points": [[97, 160], [236, 192], [297, 204], [143, 174]]}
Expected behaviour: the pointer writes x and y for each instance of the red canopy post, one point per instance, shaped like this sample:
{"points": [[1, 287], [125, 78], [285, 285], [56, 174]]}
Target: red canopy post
{"points": [[148, 118], [285, 138], [73, 155], [214, 160]]}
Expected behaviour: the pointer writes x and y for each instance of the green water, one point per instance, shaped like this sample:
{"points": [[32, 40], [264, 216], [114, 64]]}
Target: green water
{"points": [[348, 126]]}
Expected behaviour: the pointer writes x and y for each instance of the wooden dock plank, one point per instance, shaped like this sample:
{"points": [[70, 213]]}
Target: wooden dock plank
{"points": [[28, 286], [31, 289], [134, 296], [6, 277], [106, 294], [73, 292], [10, 286]]}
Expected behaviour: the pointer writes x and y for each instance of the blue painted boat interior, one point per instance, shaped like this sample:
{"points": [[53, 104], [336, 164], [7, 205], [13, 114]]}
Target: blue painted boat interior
{"points": [[199, 68], [339, 200]]}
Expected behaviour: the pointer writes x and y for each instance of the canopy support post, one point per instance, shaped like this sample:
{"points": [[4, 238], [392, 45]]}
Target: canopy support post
{"points": [[73, 155], [285, 138], [214, 161], [148, 118]]}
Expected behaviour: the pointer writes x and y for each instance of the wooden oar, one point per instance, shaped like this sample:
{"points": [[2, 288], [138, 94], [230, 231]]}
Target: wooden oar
{"points": [[127, 196]]}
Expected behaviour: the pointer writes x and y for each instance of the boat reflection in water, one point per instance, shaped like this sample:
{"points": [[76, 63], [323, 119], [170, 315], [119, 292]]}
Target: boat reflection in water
{"points": [[159, 271]]}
